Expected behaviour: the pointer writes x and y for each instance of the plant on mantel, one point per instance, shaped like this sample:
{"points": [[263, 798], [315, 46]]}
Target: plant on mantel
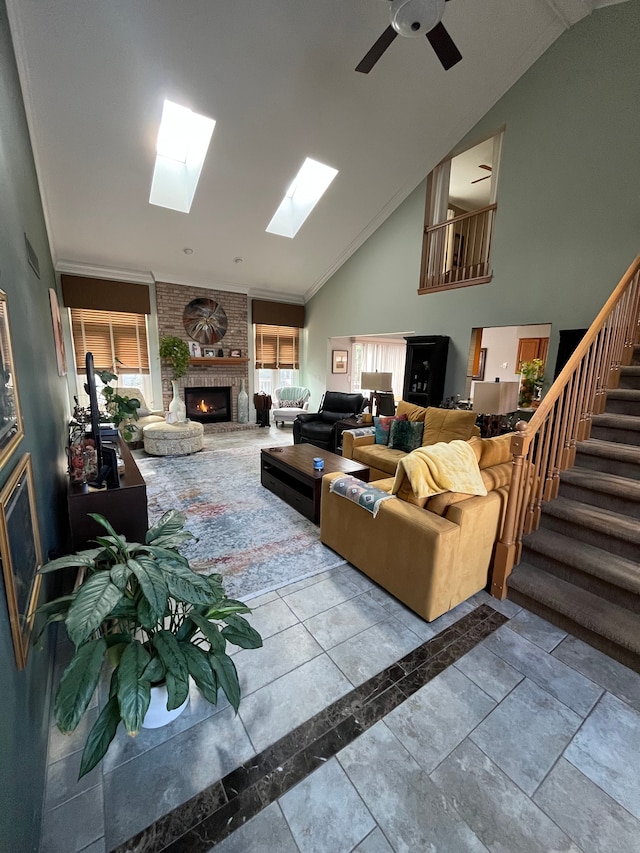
{"points": [[145, 615], [176, 352]]}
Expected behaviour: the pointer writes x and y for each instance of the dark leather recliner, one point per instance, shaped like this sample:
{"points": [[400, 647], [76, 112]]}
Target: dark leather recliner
{"points": [[318, 428]]}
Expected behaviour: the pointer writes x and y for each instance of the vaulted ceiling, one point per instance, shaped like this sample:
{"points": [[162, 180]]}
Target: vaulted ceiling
{"points": [[278, 77]]}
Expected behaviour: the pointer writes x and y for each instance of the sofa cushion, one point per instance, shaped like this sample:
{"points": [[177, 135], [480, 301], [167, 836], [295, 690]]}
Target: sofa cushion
{"points": [[379, 456], [492, 451], [413, 412], [405, 435], [383, 427], [291, 404], [495, 477], [447, 425]]}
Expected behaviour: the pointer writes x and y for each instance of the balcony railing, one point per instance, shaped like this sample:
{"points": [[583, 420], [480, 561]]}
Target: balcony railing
{"points": [[546, 444], [456, 253]]}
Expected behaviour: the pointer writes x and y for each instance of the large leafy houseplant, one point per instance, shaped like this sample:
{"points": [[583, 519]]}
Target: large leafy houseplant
{"points": [[142, 611], [176, 352], [122, 409]]}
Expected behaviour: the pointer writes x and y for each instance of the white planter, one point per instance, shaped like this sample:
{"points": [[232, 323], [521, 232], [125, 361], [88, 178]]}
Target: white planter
{"points": [[157, 714]]}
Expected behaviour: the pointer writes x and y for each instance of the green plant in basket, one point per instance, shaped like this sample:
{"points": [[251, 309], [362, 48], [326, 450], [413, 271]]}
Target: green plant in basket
{"points": [[143, 613], [531, 379]]}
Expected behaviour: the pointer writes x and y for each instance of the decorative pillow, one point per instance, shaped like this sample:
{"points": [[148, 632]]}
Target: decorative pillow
{"points": [[291, 404], [383, 427], [406, 435], [143, 412], [448, 425]]}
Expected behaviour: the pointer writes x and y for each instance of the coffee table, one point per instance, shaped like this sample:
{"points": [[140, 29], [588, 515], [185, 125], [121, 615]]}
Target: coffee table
{"points": [[288, 472]]}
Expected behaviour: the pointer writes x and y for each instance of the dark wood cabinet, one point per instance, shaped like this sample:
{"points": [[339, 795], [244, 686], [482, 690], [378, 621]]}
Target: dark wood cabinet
{"points": [[425, 369], [125, 508]]}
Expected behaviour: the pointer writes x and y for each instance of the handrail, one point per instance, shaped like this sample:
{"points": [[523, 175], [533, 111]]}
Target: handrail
{"points": [[546, 444]]}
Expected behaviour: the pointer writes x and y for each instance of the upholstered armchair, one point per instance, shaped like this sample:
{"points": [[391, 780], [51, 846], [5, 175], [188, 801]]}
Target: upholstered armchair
{"points": [[318, 427], [288, 403], [145, 415]]}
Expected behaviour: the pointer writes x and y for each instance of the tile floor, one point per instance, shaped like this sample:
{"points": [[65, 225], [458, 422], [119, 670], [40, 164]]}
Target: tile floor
{"points": [[364, 728]]}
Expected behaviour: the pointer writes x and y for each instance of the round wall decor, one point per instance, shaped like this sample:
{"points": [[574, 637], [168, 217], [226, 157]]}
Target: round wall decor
{"points": [[205, 321]]}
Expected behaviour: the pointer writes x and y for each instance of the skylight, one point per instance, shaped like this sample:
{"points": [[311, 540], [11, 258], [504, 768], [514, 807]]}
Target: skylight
{"points": [[183, 140], [302, 196]]}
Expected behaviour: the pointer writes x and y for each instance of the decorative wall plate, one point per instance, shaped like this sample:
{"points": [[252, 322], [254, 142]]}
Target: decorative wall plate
{"points": [[205, 321]]}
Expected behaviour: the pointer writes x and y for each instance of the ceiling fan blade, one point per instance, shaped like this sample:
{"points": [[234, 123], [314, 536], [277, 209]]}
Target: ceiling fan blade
{"points": [[444, 47], [477, 180], [377, 50]]}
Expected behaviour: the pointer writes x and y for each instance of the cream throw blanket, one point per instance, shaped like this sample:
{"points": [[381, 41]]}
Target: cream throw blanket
{"points": [[443, 467]]}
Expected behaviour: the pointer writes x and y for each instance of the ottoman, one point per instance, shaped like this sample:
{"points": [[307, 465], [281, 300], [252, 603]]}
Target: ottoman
{"points": [[163, 439]]}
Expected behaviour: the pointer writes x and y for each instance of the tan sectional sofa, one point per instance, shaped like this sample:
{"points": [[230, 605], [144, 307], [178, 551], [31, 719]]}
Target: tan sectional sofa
{"points": [[439, 425], [430, 554]]}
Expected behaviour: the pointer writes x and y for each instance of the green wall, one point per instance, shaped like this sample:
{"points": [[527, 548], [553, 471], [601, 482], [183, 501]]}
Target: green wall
{"points": [[568, 221], [25, 709]]}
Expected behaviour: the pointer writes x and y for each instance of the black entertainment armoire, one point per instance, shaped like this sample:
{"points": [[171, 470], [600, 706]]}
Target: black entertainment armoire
{"points": [[425, 369]]}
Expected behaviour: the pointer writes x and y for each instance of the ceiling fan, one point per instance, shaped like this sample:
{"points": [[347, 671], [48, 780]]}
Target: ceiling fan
{"points": [[484, 178], [412, 18]]}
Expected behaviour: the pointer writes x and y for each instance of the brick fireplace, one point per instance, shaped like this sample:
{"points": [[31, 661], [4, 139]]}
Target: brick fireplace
{"points": [[171, 300]]}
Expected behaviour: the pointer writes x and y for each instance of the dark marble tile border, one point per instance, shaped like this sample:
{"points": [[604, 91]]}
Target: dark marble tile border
{"points": [[203, 821]]}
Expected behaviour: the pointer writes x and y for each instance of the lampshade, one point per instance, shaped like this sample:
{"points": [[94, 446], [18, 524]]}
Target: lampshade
{"points": [[376, 381], [495, 398]]}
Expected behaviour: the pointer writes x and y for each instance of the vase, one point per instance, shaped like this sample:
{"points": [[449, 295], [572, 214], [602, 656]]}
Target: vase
{"points": [[157, 714], [243, 405], [176, 406]]}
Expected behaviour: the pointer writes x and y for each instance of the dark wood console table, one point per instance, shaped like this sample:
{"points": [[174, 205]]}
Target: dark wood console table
{"points": [[125, 508]]}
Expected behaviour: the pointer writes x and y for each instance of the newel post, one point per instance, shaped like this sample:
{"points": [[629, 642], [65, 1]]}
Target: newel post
{"points": [[507, 546]]}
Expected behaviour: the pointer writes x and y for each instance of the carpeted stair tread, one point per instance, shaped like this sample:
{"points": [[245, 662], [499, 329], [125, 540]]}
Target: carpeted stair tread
{"points": [[600, 481], [616, 421], [600, 520], [597, 615], [610, 450], [632, 394], [585, 558]]}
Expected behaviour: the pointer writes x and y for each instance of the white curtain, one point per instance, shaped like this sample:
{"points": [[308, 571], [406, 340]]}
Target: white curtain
{"points": [[385, 357]]}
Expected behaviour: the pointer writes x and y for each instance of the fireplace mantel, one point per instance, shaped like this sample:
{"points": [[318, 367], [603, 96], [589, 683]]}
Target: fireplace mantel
{"points": [[212, 362]]}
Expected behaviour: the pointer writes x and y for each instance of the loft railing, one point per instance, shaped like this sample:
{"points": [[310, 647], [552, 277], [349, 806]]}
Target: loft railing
{"points": [[456, 253], [546, 444]]}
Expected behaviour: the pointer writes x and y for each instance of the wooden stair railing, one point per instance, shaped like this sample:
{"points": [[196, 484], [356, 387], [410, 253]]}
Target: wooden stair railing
{"points": [[546, 444]]}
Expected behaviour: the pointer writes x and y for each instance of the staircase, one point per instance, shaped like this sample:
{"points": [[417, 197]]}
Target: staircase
{"points": [[581, 568]]}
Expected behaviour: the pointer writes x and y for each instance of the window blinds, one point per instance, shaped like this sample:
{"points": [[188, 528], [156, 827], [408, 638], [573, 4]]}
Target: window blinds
{"points": [[277, 347], [117, 340]]}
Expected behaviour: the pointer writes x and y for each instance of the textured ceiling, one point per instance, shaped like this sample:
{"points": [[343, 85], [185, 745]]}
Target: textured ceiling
{"points": [[278, 76]]}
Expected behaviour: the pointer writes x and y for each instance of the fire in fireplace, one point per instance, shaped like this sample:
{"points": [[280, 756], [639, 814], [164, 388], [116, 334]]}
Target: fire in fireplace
{"points": [[208, 405]]}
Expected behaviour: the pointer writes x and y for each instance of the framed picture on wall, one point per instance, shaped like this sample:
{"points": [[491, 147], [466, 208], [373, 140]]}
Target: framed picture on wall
{"points": [[339, 360], [20, 554], [482, 360], [11, 431], [61, 358]]}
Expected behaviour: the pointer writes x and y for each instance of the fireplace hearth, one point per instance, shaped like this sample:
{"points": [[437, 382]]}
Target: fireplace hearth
{"points": [[208, 405]]}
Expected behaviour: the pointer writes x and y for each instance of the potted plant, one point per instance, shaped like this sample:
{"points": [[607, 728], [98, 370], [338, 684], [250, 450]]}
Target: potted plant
{"points": [[176, 352], [141, 611], [531, 379], [121, 409]]}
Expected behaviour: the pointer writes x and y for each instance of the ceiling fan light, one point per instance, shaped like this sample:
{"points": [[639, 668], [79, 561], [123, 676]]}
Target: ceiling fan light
{"points": [[413, 18]]}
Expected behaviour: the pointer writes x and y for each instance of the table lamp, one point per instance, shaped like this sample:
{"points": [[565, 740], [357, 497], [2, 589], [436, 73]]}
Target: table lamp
{"points": [[376, 382], [495, 398]]}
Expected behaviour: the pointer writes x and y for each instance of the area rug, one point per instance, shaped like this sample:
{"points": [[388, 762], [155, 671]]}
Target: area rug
{"points": [[245, 533]]}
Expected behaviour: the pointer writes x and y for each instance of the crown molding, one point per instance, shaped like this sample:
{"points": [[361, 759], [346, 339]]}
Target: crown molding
{"points": [[91, 271]]}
